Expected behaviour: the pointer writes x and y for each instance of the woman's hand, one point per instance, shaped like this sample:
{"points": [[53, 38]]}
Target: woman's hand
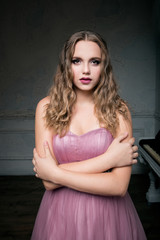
{"points": [[44, 167], [123, 153]]}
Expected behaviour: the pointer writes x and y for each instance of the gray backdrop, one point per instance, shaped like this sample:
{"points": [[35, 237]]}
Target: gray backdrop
{"points": [[32, 34]]}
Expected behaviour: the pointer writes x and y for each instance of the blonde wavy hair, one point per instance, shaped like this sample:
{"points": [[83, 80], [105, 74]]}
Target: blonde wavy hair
{"points": [[63, 96]]}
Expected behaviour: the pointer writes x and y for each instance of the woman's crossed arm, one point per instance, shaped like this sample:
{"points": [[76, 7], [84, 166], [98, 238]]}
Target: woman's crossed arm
{"points": [[88, 175]]}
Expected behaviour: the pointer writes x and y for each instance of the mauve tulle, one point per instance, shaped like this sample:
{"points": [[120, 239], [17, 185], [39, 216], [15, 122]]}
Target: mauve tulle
{"points": [[66, 214]]}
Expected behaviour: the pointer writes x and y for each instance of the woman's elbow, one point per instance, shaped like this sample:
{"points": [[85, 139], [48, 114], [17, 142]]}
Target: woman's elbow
{"points": [[50, 186], [123, 193], [121, 185], [118, 191], [47, 186], [122, 190]]}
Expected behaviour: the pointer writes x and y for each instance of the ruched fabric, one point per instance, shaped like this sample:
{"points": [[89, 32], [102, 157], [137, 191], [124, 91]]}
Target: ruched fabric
{"points": [[67, 214]]}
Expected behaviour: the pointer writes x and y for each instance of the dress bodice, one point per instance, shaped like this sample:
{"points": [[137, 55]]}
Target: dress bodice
{"points": [[72, 147], [66, 213]]}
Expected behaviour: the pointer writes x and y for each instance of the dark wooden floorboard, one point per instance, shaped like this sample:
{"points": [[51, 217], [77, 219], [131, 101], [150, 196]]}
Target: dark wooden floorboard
{"points": [[20, 198]]}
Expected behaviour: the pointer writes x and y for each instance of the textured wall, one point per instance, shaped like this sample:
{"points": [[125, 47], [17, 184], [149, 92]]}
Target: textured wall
{"points": [[32, 34]]}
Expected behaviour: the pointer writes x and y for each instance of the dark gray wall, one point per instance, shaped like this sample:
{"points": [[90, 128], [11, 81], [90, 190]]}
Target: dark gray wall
{"points": [[32, 34], [157, 39]]}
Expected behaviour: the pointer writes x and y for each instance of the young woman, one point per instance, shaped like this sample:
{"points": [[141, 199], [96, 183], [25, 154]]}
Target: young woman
{"points": [[85, 150]]}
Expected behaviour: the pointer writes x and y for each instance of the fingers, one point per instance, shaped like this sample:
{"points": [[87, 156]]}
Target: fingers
{"points": [[135, 154], [33, 161], [35, 155], [35, 170], [121, 137], [47, 149], [134, 161], [135, 148], [135, 151], [131, 141]]}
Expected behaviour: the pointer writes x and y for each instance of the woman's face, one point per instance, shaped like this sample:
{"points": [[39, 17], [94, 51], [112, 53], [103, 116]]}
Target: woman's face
{"points": [[86, 65]]}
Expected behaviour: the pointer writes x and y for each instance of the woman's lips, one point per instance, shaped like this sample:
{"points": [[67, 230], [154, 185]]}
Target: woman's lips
{"points": [[85, 80]]}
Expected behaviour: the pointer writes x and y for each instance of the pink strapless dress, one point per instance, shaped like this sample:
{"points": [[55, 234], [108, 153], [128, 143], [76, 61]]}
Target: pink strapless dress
{"points": [[67, 214]]}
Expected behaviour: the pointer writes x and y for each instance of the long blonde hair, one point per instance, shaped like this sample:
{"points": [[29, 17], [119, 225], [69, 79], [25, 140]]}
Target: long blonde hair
{"points": [[62, 93]]}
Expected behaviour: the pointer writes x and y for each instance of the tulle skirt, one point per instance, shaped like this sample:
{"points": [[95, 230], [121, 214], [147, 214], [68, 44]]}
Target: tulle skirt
{"points": [[66, 214]]}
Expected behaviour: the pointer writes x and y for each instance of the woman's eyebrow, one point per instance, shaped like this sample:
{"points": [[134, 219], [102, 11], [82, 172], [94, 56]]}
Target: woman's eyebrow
{"points": [[76, 57], [99, 58]]}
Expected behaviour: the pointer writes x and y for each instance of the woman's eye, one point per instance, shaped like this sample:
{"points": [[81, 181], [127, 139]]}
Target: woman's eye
{"points": [[95, 62], [76, 61]]}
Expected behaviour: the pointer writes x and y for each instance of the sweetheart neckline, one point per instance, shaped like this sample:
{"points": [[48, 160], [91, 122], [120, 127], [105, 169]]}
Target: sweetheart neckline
{"points": [[89, 132]]}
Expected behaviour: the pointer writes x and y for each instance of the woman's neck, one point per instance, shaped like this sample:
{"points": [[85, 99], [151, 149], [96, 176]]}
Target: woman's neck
{"points": [[84, 96]]}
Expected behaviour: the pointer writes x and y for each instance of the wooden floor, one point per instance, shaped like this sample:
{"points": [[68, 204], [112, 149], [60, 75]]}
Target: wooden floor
{"points": [[20, 198]]}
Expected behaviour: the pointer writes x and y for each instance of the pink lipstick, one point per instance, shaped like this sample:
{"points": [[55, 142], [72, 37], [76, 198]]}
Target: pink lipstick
{"points": [[85, 80]]}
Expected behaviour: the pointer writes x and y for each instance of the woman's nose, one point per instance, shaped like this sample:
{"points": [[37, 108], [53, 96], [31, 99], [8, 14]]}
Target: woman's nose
{"points": [[86, 68]]}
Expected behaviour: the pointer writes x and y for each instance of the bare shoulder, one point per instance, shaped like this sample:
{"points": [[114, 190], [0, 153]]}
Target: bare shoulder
{"points": [[122, 119], [40, 120], [42, 132], [43, 102], [40, 109], [125, 124]]}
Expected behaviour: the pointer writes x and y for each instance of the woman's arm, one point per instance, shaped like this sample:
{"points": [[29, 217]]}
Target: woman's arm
{"points": [[84, 182], [118, 154], [42, 134], [114, 183], [95, 165]]}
